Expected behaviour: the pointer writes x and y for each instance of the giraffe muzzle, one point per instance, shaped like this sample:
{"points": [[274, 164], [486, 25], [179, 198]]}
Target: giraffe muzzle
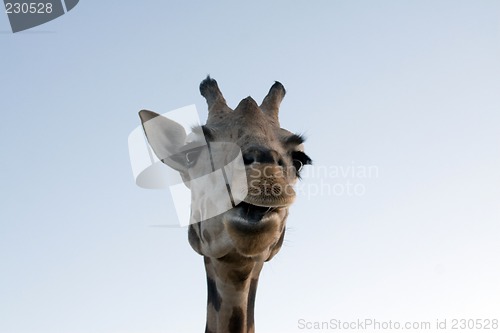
{"points": [[268, 186]]}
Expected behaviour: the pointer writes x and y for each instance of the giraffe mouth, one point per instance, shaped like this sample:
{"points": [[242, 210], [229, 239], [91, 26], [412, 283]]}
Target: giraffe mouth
{"points": [[262, 208], [255, 213], [248, 213]]}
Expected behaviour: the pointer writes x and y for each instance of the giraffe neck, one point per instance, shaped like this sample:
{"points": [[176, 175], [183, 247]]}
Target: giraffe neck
{"points": [[232, 285]]}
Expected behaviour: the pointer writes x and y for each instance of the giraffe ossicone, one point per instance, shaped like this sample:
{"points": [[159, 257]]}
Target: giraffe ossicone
{"points": [[241, 157]]}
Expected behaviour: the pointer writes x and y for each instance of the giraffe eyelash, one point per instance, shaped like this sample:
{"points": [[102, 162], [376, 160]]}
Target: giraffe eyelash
{"points": [[299, 159]]}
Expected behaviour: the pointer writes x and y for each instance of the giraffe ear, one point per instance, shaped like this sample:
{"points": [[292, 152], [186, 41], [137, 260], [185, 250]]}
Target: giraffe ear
{"points": [[166, 137]]}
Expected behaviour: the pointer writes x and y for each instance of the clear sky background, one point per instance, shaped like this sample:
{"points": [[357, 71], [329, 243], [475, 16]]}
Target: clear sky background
{"points": [[407, 89]]}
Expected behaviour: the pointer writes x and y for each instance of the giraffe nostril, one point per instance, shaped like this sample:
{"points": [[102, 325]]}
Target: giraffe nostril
{"points": [[261, 155], [248, 158]]}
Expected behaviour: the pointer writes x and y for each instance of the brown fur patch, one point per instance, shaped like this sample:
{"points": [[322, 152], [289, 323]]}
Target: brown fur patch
{"points": [[236, 320], [251, 303], [214, 297], [193, 239], [207, 236]]}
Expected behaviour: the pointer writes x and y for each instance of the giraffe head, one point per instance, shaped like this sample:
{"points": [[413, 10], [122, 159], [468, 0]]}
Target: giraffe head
{"points": [[271, 159]]}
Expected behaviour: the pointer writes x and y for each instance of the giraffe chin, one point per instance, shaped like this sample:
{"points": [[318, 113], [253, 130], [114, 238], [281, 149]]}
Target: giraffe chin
{"points": [[254, 229]]}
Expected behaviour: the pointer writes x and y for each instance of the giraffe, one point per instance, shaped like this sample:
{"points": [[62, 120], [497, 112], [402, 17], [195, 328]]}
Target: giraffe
{"points": [[236, 243]]}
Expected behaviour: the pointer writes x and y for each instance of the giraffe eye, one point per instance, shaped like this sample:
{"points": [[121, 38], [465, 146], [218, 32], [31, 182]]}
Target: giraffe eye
{"points": [[192, 156], [299, 159], [297, 164]]}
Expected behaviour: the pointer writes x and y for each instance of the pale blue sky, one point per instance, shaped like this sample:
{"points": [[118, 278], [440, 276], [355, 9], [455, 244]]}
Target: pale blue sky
{"points": [[409, 87]]}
